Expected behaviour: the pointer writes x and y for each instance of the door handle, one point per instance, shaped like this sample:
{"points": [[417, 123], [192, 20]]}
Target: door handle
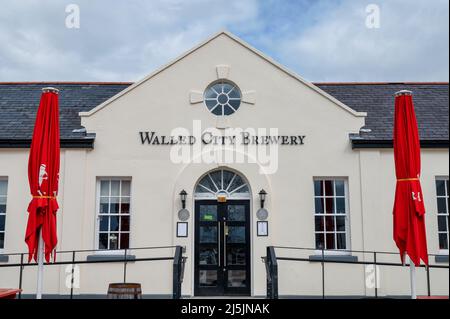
{"points": [[218, 246], [225, 234]]}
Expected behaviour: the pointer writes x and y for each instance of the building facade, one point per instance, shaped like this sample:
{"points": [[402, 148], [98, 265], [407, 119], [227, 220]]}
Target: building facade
{"points": [[224, 122]]}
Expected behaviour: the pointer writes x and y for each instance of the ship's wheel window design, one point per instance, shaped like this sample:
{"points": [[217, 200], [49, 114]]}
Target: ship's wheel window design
{"points": [[222, 183], [222, 98]]}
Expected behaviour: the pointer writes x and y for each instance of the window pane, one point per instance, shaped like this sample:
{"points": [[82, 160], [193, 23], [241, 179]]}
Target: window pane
{"points": [[208, 234], [329, 223], [207, 278], [103, 241], [235, 256], [208, 256], [125, 223], [443, 241], [236, 234], [340, 223], [206, 182], [440, 187], [114, 223], [319, 223], [217, 178], [329, 204], [114, 241], [442, 209], [124, 208], [104, 188], [125, 188], [236, 183], [115, 188], [3, 187], [2, 208], [234, 103], [319, 205], [2, 240], [104, 223], [236, 212], [124, 241], [320, 243], [2, 200], [210, 94], [243, 189], [340, 205], [341, 241], [236, 278], [227, 176], [442, 223], [340, 188], [114, 206], [329, 191], [330, 241], [233, 93], [208, 213], [2, 222], [104, 202], [318, 188], [201, 190]]}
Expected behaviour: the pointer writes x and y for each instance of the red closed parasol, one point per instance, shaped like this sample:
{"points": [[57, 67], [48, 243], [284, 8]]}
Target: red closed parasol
{"points": [[409, 209], [43, 175]]}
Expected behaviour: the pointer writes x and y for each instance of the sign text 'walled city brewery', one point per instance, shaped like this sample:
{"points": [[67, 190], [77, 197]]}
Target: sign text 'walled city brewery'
{"points": [[208, 138]]}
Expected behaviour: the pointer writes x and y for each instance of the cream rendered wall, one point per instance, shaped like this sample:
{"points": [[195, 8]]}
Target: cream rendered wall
{"points": [[14, 166], [162, 104], [378, 189]]}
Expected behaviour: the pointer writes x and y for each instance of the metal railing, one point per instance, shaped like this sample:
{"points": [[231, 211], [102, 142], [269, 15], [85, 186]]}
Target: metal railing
{"points": [[271, 262], [178, 264]]}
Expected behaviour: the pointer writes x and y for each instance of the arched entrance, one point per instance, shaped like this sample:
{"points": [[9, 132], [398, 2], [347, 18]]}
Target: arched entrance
{"points": [[222, 234]]}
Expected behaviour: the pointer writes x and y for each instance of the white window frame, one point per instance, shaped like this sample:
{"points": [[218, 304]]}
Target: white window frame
{"points": [[446, 195], [4, 179], [97, 215], [347, 250]]}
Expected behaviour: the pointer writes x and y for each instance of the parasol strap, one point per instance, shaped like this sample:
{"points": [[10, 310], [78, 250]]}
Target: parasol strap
{"points": [[407, 179], [48, 197]]}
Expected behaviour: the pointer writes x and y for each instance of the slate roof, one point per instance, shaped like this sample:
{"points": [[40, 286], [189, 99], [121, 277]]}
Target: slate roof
{"points": [[19, 101], [377, 99]]}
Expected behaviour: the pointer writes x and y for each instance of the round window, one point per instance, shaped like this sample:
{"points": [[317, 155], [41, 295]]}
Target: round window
{"points": [[222, 98]]}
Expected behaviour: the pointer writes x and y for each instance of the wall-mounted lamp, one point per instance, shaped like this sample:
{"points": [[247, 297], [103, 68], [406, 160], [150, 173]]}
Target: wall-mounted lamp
{"points": [[262, 197], [183, 195]]}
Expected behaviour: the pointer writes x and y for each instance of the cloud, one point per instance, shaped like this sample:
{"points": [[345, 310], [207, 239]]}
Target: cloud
{"points": [[321, 40], [410, 45]]}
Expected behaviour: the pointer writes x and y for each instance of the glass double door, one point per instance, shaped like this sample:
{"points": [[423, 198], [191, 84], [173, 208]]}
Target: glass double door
{"points": [[222, 248]]}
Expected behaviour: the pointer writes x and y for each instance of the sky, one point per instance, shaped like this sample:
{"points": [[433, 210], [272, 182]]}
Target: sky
{"points": [[321, 40]]}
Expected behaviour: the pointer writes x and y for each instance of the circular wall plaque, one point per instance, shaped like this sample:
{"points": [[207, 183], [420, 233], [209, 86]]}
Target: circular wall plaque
{"points": [[183, 214], [262, 214]]}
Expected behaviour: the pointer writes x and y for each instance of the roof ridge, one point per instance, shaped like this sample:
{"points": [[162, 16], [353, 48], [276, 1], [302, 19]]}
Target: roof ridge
{"points": [[381, 83], [65, 82], [131, 82]]}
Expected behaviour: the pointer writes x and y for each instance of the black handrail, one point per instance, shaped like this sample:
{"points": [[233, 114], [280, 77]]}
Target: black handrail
{"points": [[271, 258], [178, 265], [178, 271], [272, 273], [92, 250]]}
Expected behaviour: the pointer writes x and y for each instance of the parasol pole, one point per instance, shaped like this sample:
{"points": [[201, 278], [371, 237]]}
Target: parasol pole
{"points": [[412, 276], [40, 259]]}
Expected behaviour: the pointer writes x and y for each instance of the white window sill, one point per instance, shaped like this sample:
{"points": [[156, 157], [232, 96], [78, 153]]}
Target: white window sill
{"points": [[442, 257]]}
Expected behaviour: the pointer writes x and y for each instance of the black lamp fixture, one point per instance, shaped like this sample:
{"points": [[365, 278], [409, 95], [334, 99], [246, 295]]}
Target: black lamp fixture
{"points": [[262, 197], [183, 195]]}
